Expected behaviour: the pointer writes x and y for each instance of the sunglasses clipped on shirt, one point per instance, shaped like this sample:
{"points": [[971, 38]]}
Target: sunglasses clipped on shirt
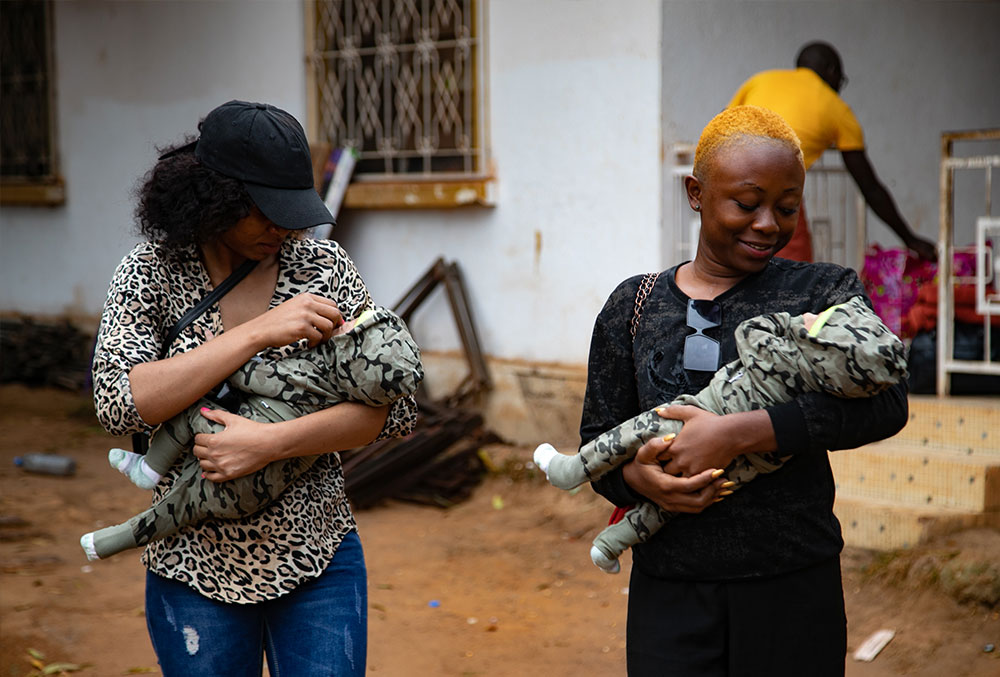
{"points": [[701, 352]]}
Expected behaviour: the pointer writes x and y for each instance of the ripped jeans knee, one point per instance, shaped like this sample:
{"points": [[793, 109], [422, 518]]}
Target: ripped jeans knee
{"points": [[320, 628]]}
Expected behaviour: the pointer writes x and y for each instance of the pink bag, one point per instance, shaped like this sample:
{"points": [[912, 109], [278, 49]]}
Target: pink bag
{"points": [[892, 278]]}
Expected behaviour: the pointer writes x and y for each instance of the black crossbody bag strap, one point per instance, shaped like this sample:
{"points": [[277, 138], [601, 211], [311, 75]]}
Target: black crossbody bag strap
{"points": [[210, 299], [140, 440]]}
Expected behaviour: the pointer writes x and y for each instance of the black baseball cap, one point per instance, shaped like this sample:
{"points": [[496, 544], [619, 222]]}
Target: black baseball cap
{"points": [[266, 149]]}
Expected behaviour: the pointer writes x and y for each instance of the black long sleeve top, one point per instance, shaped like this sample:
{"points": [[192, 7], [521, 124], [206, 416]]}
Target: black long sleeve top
{"points": [[781, 521]]}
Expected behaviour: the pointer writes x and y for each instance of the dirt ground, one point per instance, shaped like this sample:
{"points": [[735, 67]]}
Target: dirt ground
{"points": [[500, 585]]}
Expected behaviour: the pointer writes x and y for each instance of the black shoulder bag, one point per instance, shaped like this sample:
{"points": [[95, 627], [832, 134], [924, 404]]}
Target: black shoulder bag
{"points": [[140, 440]]}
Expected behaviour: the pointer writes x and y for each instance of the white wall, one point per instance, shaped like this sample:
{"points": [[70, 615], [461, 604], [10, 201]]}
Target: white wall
{"points": [[574, 113], [574, 94], [132, 76], [916, 69]]}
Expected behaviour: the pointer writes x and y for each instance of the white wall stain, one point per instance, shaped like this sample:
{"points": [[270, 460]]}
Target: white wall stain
{"points": [[190, 640]]}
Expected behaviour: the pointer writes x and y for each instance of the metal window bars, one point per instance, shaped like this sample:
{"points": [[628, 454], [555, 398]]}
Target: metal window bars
{"points": [[27, 119], [401, 81], [987, 236]]}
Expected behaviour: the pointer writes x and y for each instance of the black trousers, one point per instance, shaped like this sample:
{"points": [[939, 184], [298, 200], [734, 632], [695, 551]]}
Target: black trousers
{"points": [[793, 624]]}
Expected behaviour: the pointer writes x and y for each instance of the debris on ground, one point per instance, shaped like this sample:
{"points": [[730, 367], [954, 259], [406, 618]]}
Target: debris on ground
{"points": [[441, 461], [961, 566], [40, 354], [871, 647]]}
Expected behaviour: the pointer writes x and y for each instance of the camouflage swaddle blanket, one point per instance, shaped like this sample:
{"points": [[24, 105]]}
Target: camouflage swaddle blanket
{"points": [[848, 352], [374, 363]]}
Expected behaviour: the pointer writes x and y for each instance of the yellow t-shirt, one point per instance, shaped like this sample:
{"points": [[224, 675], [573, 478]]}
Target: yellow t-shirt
{"points": [[817, 114]]}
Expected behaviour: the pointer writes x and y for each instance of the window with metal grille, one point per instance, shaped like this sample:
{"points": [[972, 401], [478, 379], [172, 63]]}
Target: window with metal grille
{"points": [[28, 159], [402, 82]]}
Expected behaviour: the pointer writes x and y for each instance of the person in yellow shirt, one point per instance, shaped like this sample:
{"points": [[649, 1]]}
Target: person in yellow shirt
{"points": [[808, 98]]}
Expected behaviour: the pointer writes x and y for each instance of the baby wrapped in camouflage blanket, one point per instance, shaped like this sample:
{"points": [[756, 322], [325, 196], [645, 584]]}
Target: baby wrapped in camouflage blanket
{"points": [[374, 362], [846, 351]]}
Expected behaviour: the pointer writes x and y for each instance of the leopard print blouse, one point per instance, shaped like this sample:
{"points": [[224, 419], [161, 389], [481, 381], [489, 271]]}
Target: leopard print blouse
{"points": [[292, 540]]}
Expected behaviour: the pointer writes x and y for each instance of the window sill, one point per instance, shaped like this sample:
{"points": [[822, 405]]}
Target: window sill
{"points": [[48, 193], [421, 194]]}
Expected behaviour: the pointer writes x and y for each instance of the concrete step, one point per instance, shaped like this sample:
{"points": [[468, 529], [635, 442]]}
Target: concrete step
{"points": [[884, 525], [940, 474], [965, 423], [897, 471]]}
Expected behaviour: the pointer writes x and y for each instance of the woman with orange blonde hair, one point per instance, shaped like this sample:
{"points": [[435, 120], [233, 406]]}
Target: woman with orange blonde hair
{"points": [[744, 583]]}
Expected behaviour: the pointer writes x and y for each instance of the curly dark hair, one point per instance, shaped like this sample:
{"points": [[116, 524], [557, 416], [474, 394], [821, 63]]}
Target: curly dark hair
{"points": [[181, 202]]}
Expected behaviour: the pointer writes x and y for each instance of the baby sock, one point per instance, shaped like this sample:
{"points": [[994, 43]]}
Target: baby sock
{"points": [[616, 538], [603, 562], [134, 467], [108, 541], [87, 543], [562, 471]]}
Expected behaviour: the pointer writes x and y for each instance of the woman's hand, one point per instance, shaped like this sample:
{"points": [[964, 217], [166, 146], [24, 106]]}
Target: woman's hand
{"points": [[708, 441], [241, 448], [244, 446], [164, 388], [675, 494], [702, 443], [307, 316]]}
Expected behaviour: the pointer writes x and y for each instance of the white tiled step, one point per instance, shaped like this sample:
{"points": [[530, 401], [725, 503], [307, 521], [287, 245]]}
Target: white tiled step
{"points": [[882, 525], [919, 476], [963, 423]]}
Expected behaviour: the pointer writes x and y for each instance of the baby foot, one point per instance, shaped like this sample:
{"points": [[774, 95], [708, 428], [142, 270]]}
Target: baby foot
{"points": [[561, 470], [87, 543], [603, 562], [134, 467], [544, 454]]}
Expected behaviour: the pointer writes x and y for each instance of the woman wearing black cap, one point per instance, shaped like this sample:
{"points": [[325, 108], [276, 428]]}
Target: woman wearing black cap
{"points": [[290, 580]]}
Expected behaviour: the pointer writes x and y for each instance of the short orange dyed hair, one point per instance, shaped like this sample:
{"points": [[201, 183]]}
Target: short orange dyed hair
{"points": [[739, 124]]}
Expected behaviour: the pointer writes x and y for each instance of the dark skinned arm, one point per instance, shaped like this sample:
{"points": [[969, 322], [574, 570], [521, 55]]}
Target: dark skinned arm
{"points": [[878, 198]]}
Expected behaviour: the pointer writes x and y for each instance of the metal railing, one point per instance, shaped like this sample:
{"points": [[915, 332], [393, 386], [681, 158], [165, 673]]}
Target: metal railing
{"points": [[987, 234]]}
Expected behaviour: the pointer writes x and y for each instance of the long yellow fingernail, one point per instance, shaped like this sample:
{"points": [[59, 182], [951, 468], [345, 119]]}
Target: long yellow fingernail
{"points": [[669, 436], [726, 485], [717, 473], [725, 493], [716, 500]]}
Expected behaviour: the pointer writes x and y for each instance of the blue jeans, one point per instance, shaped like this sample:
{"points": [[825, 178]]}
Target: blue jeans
{"points": [[320, 628]]}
